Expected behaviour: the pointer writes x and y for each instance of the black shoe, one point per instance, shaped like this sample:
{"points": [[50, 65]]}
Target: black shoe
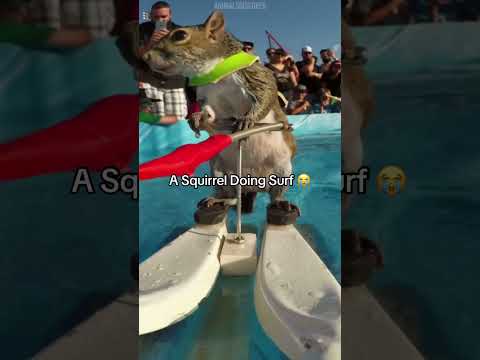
{"points": [[282, 213]]}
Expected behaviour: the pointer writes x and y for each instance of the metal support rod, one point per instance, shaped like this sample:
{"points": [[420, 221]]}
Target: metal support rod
{"points": [[240, 137], [239, 237], [246, 133]]}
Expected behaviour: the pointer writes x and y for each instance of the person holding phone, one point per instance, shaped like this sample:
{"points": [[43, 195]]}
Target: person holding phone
{"points": [[283, 69], [158, 27], [299, 104], [167, 98]]}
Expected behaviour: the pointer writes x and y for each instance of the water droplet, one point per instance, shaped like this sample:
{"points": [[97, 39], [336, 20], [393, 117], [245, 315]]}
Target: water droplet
{"points": [[177, 274], [273, 268], [172, 282], [147, 274], [316, 294], [159, 267]]}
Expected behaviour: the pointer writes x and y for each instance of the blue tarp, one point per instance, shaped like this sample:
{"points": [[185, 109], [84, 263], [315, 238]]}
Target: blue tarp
{"points": [[397, 51]]}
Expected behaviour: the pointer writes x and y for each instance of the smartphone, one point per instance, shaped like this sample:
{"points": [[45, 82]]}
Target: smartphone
{"points": [[160, 25]]}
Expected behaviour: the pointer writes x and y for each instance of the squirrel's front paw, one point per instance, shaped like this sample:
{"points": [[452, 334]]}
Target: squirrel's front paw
{"points": [[194, 121], [245, 123], [208, 114], [201, 120]]}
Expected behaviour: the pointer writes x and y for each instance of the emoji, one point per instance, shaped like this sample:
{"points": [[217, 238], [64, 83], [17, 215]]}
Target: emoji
{"points": [[391, 180], [303, 180]]}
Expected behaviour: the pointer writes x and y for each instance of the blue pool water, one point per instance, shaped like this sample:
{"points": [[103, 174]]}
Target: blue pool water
{"points": [[428, 125], [426, 122], [226, 323]]}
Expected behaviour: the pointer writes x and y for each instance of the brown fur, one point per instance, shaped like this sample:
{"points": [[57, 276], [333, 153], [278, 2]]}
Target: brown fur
{"points": [[210, 42], [353, 76], [239, 101]]}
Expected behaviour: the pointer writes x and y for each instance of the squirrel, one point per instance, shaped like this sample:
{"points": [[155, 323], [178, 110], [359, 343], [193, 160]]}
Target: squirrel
{"points": [[238, 101]]}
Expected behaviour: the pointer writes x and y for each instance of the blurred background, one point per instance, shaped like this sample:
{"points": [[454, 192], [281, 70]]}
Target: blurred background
{"points": [[423, 64], [65, 256]]}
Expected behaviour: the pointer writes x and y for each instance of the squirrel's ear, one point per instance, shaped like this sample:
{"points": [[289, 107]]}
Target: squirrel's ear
{"points": [[214, 25]]}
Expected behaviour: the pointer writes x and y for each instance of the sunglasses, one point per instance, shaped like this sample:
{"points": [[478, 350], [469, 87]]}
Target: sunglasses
{"points": [[307, 52]]}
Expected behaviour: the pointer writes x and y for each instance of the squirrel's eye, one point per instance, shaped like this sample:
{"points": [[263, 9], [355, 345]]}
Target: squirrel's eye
{"points": [[179, 35]]}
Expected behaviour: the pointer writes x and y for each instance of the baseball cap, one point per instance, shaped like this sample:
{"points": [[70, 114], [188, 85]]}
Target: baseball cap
{"points": [[301, 88], [307, 49]]}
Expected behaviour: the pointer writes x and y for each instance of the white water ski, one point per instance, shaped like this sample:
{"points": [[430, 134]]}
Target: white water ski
{"points": [[297, 299], [178, 277]]}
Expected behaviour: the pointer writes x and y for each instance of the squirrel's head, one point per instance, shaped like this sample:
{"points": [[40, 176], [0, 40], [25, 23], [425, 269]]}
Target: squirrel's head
{"points": [[193, 50]]}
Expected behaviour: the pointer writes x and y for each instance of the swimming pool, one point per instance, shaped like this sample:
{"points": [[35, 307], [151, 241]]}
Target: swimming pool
{"points": [[428, 125], [225, 325]]}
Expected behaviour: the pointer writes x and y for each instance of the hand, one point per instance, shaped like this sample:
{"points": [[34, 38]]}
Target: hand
{"points": [[306, 105], [194, 122], [208, 114], [157, 36]]}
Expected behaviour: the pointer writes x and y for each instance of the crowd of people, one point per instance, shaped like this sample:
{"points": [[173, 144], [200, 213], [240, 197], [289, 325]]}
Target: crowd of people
{"points": [[397, 12], [306, 86]]}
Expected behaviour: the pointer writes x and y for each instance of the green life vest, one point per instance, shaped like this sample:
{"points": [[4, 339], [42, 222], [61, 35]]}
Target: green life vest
{"points": [[227, 67]]}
